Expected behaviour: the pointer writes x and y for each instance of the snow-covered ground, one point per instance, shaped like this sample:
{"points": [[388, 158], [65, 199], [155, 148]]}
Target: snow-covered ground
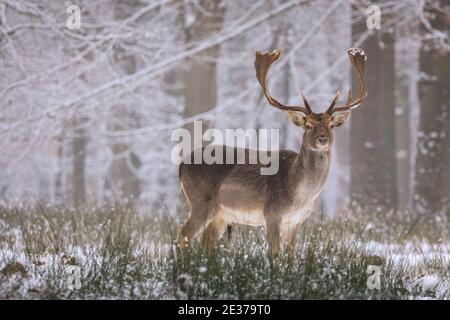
{"points": [[417, 258]]}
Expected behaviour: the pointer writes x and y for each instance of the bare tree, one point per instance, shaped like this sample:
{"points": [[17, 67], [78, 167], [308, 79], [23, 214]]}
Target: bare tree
{"points": [[372, 146], [202, 19], [124, 181], [432, 164], [79, 160], [406, 68], [59, 155]]}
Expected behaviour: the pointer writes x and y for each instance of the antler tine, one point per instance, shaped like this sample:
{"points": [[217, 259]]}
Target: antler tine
{"points": [[263, 61], [358, 59], [333, 103], [306, 103]]}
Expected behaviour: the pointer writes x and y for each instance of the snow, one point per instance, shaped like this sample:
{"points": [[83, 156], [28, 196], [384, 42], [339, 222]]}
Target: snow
{"points": [[429, 282], [369, 145]]}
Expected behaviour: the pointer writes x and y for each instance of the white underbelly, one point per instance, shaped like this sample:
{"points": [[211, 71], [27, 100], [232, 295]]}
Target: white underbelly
{"points": [[252, 217]]}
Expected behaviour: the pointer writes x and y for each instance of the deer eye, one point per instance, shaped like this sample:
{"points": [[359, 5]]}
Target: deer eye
{"points": [[308, 126]]}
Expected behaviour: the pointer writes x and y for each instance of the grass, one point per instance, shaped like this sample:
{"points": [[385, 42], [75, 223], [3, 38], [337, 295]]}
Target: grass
{"points": [[121, 254]]}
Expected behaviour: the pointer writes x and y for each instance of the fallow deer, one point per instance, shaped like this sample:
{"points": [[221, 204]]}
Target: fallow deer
{"points": [[222, 194]]}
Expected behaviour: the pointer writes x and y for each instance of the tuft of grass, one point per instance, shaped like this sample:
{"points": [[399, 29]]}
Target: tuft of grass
{"points": [[121, 254]]}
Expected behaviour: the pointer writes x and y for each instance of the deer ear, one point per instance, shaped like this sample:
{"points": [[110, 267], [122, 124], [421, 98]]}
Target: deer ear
{"points": [[297, 118], [340, 117]]}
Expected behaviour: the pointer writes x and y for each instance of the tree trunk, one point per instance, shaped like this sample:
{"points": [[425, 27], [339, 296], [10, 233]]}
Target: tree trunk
{"points": [[446, 176], [201, 78], [433, 156], [58, 179], [79, 156], [124, 180], [372, 148], [406, 56]]}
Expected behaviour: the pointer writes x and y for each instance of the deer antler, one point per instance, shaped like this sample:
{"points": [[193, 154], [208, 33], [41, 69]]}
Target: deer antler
{"points": [[358, 59], [263, 61]]}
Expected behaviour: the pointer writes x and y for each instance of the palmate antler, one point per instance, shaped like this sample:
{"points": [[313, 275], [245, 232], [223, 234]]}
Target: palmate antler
{"points": [[358, 59], [263, 61]]}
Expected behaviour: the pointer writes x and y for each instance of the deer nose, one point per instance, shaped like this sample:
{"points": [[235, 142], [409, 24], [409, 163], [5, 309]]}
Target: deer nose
{"points": [[322, 139]]}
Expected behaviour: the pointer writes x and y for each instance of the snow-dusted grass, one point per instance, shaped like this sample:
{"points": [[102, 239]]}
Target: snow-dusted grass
{"points": [[123, 255]]}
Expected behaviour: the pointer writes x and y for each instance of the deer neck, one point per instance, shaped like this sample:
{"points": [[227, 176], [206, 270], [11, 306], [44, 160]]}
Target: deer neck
{"points": [[311, 170]]}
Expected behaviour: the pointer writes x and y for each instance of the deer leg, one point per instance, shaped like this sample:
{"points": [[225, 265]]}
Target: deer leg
{"points": [[199, 217], [212, 233], [274, 238], [229, 235], [289, 234]]}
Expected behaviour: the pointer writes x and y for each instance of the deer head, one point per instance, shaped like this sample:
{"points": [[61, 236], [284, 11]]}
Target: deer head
{"points": [[318, 126]]}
